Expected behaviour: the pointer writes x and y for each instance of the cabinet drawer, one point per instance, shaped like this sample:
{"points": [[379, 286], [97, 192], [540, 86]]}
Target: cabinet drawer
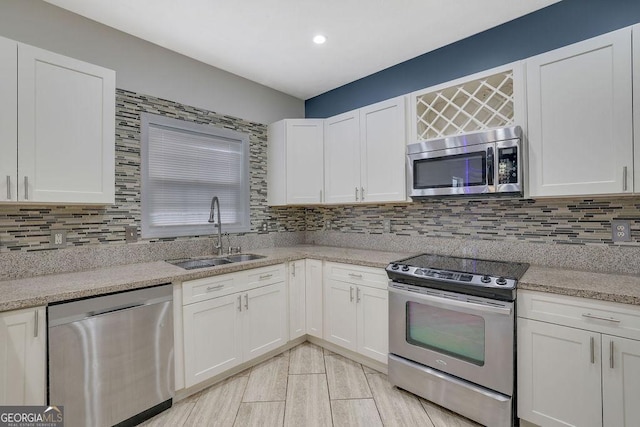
{"points": [[211, 287], [599, 316], [358, 275], [265, 276]]}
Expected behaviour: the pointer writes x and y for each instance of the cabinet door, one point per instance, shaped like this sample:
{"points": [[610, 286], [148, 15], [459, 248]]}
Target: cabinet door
{"points": [[636, 106], [212, 337], [314, 297], [342, 158], [305, 168], [580, 118], [264, 320], [23, 357], [297, 299], [383, 147], [8, 120], [558, 375], [373, 322], [620, 381], [340, 314], [66, 129]]}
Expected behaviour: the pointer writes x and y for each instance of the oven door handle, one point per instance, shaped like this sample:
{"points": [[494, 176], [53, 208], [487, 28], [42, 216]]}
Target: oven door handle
{"points": [[448, 303]]}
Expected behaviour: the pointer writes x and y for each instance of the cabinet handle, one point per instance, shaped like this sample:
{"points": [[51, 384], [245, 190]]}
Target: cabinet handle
{"points": [[593, 352], [35, 325], [320, 196], [26, 188], [239, 302], [624, 178], [8, 187], [362, 193], [351, 293], [593, 316], [214, 288], [356, 194], [246, 301], [357, 276], [611, 354], [357, 295], [293, 272], [265, 276]]}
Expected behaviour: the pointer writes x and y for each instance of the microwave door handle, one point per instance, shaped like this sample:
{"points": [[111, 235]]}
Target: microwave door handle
{"points": [[490, 168]]}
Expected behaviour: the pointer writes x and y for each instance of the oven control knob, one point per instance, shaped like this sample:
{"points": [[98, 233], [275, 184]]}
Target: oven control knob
{"points": [[485, 279], [395, 266], [501, 281], [405, 268]]}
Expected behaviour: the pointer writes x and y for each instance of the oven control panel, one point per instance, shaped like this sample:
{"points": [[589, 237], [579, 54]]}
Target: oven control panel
{"points": [[396, 270]]}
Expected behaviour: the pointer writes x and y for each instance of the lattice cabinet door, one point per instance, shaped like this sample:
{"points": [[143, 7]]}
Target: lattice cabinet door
{"points": [[491, 99]]}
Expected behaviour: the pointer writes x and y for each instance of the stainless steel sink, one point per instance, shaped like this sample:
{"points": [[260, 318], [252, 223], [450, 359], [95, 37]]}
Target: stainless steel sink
{"points": [[243, 257], [192, 264], [201, 263]]}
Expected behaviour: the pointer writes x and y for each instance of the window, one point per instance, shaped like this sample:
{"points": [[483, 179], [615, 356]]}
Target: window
{"points": [[183, 166]]}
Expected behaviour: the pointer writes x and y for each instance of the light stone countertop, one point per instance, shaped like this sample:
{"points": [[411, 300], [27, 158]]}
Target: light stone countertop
{"points": [[42, 290]]}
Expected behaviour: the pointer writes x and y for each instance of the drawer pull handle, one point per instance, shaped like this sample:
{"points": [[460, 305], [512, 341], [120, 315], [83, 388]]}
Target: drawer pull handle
{"points": [[357, 276], [593, 352], [611, 354], [266, 276], [214, 288], [607, 319]]}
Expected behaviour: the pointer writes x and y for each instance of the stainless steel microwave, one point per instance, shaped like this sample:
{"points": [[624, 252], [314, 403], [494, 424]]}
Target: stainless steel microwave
{"points": [[487, 162]]}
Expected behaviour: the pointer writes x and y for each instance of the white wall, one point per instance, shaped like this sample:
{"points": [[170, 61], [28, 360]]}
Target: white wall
{"points": [[144, 67]]}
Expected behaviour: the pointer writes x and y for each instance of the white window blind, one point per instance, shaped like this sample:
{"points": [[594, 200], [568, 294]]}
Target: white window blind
{"points": [[183, 166]]}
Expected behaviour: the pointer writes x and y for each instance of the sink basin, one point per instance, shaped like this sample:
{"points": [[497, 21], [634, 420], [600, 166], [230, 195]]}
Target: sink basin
{"points": [[201, 263], [243, 257], [192, 264]]}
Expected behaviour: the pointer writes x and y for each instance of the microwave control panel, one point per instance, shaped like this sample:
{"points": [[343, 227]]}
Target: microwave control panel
{"points": [[508, 165]]}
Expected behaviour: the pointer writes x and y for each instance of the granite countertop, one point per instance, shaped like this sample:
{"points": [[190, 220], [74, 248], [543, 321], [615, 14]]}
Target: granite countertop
{"points": [[42, 290]]}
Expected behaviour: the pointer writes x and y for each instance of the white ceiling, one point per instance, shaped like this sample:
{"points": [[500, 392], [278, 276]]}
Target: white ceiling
{"points": [[269, 41]]}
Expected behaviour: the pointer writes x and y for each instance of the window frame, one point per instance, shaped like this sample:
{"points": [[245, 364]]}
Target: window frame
{"points": [[149, 231]]}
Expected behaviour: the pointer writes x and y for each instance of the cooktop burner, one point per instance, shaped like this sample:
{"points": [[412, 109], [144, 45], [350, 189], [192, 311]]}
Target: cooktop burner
{"points": [[493, 279]]}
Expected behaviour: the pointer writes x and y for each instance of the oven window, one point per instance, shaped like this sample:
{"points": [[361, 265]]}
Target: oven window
{"points": [[449, 332], [461, 170]]}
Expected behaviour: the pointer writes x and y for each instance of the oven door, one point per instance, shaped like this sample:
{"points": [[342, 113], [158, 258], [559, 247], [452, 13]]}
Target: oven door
{"points": [[464, 170], [466, 336]]}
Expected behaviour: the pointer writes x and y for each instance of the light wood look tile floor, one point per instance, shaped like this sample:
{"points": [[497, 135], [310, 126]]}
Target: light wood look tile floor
{"points": [[307, 386]]}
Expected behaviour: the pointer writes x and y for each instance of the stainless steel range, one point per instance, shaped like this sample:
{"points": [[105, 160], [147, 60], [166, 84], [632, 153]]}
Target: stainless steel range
{"points": [[452, 333]]}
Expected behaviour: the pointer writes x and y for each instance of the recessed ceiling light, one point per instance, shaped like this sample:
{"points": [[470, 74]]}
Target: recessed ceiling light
{"points": [[319, 39]]}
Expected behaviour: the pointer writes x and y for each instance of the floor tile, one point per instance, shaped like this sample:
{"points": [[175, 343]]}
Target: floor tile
{"points": [[260, 414], [442, 417], [175, 416], [368, 370], [346, 379], [219, 405], [306, 358], [397, 407], [328, 352], [268, 381], [355, 413], [307, 401]]}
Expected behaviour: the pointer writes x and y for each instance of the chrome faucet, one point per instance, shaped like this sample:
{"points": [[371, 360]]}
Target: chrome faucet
{"points": [[215, 202]]}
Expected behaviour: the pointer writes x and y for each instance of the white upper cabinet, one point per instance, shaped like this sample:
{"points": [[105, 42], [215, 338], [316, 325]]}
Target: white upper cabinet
{"points": [[294, 162], [58, 127], [8, 119], [580, 118], [636, 105], [342, 158], [364, 154]]}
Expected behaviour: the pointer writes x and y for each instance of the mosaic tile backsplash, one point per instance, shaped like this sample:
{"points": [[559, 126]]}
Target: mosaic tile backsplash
{"points": [[28, 228]]}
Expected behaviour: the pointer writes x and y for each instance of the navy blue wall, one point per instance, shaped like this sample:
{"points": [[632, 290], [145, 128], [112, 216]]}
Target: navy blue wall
{"points": [[558, 25]]}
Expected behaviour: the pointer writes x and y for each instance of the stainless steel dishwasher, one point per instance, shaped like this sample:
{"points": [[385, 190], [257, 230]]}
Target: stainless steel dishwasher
{"points": [[111, 357]]}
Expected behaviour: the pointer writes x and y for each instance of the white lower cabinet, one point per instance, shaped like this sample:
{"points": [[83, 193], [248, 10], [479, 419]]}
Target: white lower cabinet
{"points": [[297, 299], [23, 354], [578, 361], [227, 330], [314, 297], [356, 309]]}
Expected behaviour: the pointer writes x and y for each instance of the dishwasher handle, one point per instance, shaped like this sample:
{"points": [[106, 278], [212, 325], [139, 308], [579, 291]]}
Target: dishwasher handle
{"points": [[113, 309]]}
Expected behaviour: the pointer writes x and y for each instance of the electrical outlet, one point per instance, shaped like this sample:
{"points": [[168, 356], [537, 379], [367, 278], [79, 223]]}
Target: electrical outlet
{"points": [[620, 231], [327, 225], [265, 226], [386, 225], [58, 239], [131, 234]]}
